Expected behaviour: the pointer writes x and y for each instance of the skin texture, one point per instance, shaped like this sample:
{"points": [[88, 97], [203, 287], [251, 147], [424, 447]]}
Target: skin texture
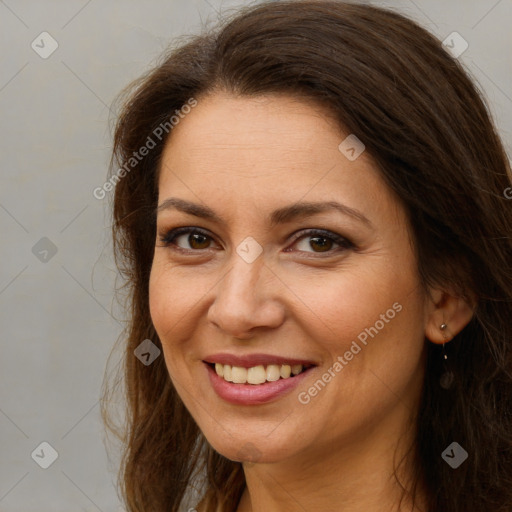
{"points": [[244, 157]]}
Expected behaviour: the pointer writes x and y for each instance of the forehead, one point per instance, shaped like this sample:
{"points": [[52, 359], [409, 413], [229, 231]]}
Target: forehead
{"points": [[272, 149], [234, 126]]}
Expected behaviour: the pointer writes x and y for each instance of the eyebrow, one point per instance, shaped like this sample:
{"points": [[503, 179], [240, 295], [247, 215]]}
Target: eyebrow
{"points": [[279, 216]]}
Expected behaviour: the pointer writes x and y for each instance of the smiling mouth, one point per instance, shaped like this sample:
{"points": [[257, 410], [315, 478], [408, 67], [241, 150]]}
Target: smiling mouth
{"points": [[259, 374]]}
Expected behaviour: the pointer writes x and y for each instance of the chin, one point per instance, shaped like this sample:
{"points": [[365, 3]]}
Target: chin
{"points": [[252, 448]]}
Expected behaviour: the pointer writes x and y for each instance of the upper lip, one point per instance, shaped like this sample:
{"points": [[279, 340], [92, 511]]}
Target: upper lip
{"points": [[250, 360]]}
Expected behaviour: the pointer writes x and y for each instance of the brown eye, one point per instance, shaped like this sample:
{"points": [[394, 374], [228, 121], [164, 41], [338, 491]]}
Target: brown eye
{"points": [[197, 241], [322, 242], [195, 238]]}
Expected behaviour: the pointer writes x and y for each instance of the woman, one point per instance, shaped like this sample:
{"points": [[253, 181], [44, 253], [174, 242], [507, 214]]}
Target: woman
{"points": [[310, 212]]}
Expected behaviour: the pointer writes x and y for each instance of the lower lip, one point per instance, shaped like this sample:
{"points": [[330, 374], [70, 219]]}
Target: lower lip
{"points": [[253, 394]]}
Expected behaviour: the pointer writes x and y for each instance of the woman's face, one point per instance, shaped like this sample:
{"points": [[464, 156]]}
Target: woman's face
{"points": [[250, 285]]}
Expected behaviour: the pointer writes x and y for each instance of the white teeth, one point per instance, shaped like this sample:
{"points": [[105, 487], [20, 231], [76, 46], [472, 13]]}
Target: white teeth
{"points": [[227, 373], [239, 374], [257, 374], [286, 371], [273, 372]]}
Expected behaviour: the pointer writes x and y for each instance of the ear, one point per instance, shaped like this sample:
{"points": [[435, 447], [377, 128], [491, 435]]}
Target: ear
{"points": [[451, 310]]}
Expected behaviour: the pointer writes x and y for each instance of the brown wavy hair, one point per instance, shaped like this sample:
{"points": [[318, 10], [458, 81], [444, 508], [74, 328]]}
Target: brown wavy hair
{"points": [[430, 131]]}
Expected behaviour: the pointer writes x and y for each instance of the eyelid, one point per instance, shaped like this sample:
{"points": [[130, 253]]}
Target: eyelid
{"points": [[344, 243], [167, 237]]}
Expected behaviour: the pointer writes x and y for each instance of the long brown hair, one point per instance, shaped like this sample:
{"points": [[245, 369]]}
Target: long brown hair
{"points": [[392, 84]]}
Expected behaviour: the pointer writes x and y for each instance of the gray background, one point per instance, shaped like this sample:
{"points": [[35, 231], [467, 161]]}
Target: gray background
{"points": [[59, 321]]}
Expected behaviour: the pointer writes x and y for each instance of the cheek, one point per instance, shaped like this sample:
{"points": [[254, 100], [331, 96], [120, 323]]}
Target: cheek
{"points": [[169, 305], [176, 304], [161, 295], [372, 319], [372, 362], [171, 296], [166, 305], [341, 304]]}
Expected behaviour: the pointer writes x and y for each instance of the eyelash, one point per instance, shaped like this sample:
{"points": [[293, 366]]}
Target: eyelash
{"points": [[168, 239]]}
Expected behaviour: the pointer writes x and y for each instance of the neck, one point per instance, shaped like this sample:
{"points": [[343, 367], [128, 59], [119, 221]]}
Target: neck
{"points": [[358, 477]]}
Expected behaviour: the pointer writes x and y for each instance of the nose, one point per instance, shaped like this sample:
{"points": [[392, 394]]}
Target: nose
{"points": [[247, 300]]}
